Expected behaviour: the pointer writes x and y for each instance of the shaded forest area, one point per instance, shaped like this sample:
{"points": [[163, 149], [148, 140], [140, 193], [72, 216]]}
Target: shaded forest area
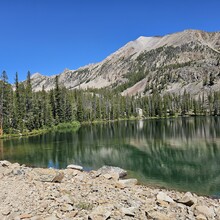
{"points": [[22, 110]]}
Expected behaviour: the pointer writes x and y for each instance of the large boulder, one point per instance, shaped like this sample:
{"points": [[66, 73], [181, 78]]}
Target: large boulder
{"points": [[112, 170], [188, 199], [161, 196]]}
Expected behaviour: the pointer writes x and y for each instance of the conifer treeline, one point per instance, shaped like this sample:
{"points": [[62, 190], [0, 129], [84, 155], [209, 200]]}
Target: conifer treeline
{"points": [[23, 110]]}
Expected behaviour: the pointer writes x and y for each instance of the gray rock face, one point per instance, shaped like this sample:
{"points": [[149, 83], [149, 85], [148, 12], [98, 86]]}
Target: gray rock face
{"points": [[172, 63]]}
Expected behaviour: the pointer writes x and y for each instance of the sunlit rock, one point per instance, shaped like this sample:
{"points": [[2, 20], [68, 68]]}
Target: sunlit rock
{"points": [[75, 167], [110, 169]]}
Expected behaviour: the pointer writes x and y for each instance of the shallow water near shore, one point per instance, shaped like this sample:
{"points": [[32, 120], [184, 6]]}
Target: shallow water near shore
{"points": [[180, 153]]}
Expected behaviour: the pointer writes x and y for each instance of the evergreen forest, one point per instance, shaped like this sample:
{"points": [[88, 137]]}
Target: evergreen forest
{"points": [[23, 110]]}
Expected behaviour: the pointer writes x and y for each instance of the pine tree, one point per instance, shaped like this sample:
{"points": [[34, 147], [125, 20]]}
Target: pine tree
{"points": [[59, 116], [79, 108], [3, 100], [29, 114], [19, 111]]}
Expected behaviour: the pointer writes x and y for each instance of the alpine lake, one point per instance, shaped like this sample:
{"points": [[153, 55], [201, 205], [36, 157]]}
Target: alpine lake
{"points": [[179, 153]]}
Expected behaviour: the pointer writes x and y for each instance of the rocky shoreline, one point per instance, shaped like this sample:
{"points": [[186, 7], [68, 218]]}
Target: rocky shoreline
{"points": [[50, 194]]}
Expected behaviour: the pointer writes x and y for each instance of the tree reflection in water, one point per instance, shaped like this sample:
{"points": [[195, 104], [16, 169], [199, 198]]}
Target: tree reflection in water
{"points": [[182, 153]]}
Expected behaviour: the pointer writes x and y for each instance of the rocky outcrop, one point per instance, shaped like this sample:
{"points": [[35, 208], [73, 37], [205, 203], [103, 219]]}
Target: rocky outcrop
{"points": [[112, 170], [92, 195]]}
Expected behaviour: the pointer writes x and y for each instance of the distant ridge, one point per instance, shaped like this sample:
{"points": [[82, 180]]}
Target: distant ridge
{"points": [[178, 62]]}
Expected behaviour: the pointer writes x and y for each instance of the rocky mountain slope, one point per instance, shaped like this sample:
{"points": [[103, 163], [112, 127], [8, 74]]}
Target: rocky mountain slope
{"points": [[185, 61]]}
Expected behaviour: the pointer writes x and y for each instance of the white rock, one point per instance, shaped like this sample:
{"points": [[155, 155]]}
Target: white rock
{"points": [[6, 212], [5, 163], [75, 167], [110, 170], [204, 210], [128, 182], [201, 217], [164, 197], [101, 212]]}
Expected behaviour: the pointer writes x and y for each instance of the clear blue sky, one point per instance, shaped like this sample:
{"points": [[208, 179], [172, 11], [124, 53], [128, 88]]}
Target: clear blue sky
{"points": [[48, 36]]}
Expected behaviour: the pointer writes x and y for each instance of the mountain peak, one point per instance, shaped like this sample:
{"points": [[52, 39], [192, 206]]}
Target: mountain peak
{"points": [[173, 62], [36, 75]]}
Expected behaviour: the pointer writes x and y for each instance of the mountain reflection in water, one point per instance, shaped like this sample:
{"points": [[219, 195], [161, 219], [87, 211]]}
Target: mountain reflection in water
{"points": [[182, 153]]}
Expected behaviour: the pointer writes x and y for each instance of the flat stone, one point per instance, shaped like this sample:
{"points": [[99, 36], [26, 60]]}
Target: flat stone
{"points": [[51, 217], [107, 176], [201, 217], [114, 176], [129, 211], [66, 207], [204, 210], [47, 175], [110, 169], [164, 197], [187, 199], [100, 213], [6, 212], [156, 215], [72, 214], [75, 167], [128, 182], [24, 216]]}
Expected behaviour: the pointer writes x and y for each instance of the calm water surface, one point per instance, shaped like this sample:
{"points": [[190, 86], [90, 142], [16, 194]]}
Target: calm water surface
{"points": [[181, 153]]}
